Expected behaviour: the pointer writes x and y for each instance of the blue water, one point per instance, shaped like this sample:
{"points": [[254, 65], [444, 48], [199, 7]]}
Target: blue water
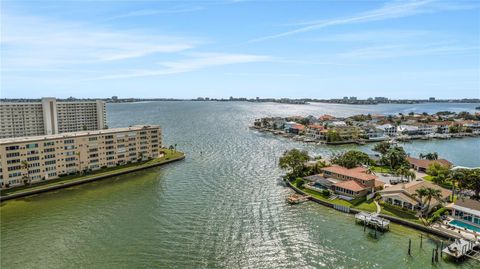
{"points": [[462, 224]]}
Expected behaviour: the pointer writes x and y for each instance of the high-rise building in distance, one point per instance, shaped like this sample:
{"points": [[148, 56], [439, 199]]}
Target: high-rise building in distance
{"points": [[50, 117]]}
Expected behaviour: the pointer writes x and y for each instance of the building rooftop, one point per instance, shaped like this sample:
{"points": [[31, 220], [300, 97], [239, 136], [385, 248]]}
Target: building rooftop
{"points": [[411, 187], [423, 163], [350, 185], [468, 203], [357, 172], [73, 134]]}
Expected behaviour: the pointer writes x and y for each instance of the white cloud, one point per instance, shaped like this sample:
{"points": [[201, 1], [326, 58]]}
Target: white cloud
{"points": [[373, 36], [393, 10], [403, 50], [195, 62], [37, 42], [152, 12]]}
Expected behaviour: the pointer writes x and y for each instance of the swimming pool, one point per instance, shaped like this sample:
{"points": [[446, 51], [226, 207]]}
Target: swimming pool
{"points": [[461, 224]]}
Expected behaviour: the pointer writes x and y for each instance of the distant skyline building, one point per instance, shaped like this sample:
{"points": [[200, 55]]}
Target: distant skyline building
{"points": [[49, 117]]}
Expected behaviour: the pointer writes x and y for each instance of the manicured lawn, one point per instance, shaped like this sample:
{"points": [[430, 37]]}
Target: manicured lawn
{"points": [[381, 169], [388, 210], [169, 154], [357, 203], [324, 198], [367, 206], [447, 184], [428, 178]]}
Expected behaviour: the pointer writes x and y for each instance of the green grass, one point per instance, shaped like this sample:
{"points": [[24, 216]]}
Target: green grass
{"points": [[169, 154], [367, 206], [381, 169], [358, 203], [395, 212], [428, 178], [447, 184]]}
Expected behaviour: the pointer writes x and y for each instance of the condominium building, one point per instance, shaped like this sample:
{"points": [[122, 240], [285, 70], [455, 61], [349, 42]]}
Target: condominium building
{"points": [[32, 159], [50, 117]]}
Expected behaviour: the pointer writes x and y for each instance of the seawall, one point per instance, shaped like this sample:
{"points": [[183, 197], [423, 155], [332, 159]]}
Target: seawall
{"points": [[74, 182]]}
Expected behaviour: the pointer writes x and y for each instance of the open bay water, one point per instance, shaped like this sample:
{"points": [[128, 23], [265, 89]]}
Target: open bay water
{"points": [[222, 207]]}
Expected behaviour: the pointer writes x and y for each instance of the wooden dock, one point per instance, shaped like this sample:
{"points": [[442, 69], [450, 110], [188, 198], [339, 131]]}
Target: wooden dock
{"points": [[297, 198], [463, 248], [372, 220]]}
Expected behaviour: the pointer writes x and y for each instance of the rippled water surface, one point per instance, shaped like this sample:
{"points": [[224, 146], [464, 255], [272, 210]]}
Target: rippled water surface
{"points": [[222, 207]]}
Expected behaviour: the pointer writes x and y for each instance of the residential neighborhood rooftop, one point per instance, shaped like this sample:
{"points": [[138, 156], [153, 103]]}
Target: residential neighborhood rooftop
{"points": [[357, 172], [424, 163]]}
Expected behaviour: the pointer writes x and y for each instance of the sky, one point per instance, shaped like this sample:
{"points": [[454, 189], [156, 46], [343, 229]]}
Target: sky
{"points": [[189, 49]]}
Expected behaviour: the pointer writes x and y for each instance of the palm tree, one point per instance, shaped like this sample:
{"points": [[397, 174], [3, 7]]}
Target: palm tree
{"points": [[370, 170], [420, 193], [456, 177], [432, 194], [405, 172]]}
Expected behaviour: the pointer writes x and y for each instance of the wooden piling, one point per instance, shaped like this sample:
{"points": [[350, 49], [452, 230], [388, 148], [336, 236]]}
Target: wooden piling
{"points": [[409, 247], [441, 248]]}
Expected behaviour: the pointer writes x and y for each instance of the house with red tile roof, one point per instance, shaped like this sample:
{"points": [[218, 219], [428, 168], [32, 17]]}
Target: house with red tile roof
{"points": [[354, 182], [315, 131]]}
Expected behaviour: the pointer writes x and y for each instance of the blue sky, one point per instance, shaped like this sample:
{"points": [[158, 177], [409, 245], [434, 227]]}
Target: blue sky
{"points": [[186, 49]]}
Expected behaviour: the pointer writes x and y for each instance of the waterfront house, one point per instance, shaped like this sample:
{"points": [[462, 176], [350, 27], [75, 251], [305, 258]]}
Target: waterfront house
{"points": [[404, 195], [467, 210], [326, 117], [425, 129], [353, 183], [408, 130], [289, 124], [346, 132], [441, 127], [372, 132], [296, 129], [388, 129], [473, 126], [314, 131], [421, 165]]}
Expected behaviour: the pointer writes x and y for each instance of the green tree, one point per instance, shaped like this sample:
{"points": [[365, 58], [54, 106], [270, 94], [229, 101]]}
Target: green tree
{"points": [[440, 173], [293, 161], [352, 158], [333, 136], [454, 129], [432, 194], [394, 158], [470, 180], [405, 172], [382, 147], [429, 156]]}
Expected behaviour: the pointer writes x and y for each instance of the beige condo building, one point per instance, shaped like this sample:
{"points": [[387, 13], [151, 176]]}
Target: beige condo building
{"points": [[50, 117], [25, 160]]}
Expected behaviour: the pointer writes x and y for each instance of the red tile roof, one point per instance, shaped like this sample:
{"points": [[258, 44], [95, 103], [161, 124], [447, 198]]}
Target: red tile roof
{"points": [[298, 127], [326, 117], [357, 172], [350, 185], [316, 126]]}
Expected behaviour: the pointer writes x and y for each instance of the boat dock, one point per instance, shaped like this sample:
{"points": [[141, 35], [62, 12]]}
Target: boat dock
{"points": [[463, 248], [296, 199], [372, 220]]}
